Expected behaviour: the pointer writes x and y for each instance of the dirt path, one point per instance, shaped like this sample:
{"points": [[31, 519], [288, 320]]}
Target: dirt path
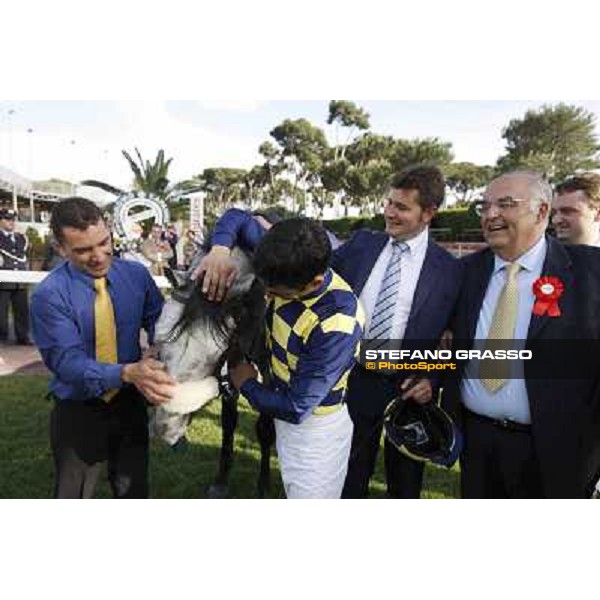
{"points": [[20, 359]]}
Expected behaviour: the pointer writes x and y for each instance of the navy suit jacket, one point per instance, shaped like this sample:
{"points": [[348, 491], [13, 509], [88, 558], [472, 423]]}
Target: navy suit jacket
{"points": [[432, 307], [565, 413]]}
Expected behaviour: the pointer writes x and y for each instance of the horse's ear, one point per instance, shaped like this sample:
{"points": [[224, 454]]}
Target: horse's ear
{"points": [[177, 279]]}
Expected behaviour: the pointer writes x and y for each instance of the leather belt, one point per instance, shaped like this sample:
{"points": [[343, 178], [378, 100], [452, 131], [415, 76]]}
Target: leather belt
{"points": [[88, 401], [505, 424]]}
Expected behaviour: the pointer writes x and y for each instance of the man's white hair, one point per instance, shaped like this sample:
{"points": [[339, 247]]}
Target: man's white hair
{"points": [[540, 189]]}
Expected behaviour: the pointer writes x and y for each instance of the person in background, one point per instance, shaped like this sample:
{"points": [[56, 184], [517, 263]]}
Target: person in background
{"points": [[52, 257], [170, 236], [576, 217], [189, 246], [576, 210], [156, 250], [13, 257]]}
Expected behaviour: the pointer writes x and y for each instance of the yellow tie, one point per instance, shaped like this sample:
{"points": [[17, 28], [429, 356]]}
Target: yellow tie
{"points": [[106, 331], [494, 373]]}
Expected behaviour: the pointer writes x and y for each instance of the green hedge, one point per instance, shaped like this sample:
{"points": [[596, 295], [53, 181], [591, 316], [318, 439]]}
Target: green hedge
{"points": [[344, 227], [458, 220]]}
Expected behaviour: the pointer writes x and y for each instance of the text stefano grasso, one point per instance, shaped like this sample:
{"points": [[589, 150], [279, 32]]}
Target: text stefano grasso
{"points": [[547, 291]]}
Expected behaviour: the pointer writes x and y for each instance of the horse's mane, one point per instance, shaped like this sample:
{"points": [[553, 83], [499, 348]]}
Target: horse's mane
{"points": [[237, 318], [218, 317]]}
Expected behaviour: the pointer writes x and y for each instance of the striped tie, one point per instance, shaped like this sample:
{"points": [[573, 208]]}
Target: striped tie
{"points": [[383, 312], [106, 331], [494, 373]]}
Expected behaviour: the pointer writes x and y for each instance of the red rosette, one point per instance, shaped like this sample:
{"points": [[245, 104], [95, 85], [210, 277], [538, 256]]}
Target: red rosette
{"points": [[547, 291]]}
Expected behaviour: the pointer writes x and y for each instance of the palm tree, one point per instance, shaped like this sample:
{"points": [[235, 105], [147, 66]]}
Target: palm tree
{"points": [[151, 179]]}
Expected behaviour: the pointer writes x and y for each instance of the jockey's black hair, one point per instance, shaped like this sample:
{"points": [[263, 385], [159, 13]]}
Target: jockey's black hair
{"points": [[292, 253]]}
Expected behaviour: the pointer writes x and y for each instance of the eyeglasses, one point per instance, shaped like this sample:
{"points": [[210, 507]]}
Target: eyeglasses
{"points": [[502, 204]]}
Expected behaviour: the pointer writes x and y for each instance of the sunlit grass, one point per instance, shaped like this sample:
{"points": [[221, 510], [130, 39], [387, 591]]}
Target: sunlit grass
{"points": [[26, 469]]}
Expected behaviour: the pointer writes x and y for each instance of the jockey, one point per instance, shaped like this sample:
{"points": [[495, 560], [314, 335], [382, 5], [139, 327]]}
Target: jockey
{"points": [[313, 328]]}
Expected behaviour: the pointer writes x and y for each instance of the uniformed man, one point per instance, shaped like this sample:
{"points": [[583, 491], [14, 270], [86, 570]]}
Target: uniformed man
{"points": [[13, 248]]}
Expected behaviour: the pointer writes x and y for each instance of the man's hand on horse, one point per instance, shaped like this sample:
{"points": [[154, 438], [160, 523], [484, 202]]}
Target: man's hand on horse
{"points": [[219, 273], [241, 373], [417, 390], [150, 377], [150, 352]]}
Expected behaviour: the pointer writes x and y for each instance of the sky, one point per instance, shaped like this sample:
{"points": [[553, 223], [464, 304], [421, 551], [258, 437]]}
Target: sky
{"points": [[78, 140]]}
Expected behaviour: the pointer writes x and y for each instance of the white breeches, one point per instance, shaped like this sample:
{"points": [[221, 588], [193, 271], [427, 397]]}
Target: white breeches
{"points": [[313, 456]]}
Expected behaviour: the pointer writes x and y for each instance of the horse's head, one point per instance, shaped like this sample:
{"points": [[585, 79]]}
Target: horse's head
{"points": [[195, 337]]}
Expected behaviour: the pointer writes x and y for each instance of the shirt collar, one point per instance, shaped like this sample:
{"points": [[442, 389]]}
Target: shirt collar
{"points": [[416, 244], [86, 279], [530, 261]]}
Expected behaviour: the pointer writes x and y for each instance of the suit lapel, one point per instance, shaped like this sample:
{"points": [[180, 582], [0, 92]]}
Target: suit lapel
{"points": [[556, 264], [428, 279], [365, 263]]}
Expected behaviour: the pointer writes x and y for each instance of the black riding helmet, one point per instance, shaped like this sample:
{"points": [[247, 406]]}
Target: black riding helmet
{"points": [[423, 432]]}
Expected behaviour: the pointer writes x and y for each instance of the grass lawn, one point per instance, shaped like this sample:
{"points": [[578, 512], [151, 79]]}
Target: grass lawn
{"points": [[26, 466]]}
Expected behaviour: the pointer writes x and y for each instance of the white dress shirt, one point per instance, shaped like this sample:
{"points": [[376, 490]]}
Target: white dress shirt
{"points": [[410, 269], [510, 401]]}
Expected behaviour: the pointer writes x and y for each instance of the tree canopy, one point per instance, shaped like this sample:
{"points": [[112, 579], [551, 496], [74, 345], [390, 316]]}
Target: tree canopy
{"points": [[465, 178], [556, 140], [349, 164]]}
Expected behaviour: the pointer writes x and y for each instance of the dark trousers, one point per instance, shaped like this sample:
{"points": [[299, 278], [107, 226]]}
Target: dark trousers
{"points": [[498, 463], [20, 308], [84, 435], [404, 476]]}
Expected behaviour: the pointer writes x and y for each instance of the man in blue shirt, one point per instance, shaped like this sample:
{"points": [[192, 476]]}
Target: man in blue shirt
{"points": [[86, 320]]}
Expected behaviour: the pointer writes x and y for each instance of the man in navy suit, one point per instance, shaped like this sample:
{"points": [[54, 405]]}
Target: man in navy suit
{"points": [[423, 303], [532, 435]]}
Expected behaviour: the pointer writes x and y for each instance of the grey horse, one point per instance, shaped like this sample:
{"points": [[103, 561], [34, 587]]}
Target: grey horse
{"points": [[196, 339]]}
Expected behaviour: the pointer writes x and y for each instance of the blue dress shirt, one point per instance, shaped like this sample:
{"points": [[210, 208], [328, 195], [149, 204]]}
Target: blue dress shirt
{"points": [[62, 320]]}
